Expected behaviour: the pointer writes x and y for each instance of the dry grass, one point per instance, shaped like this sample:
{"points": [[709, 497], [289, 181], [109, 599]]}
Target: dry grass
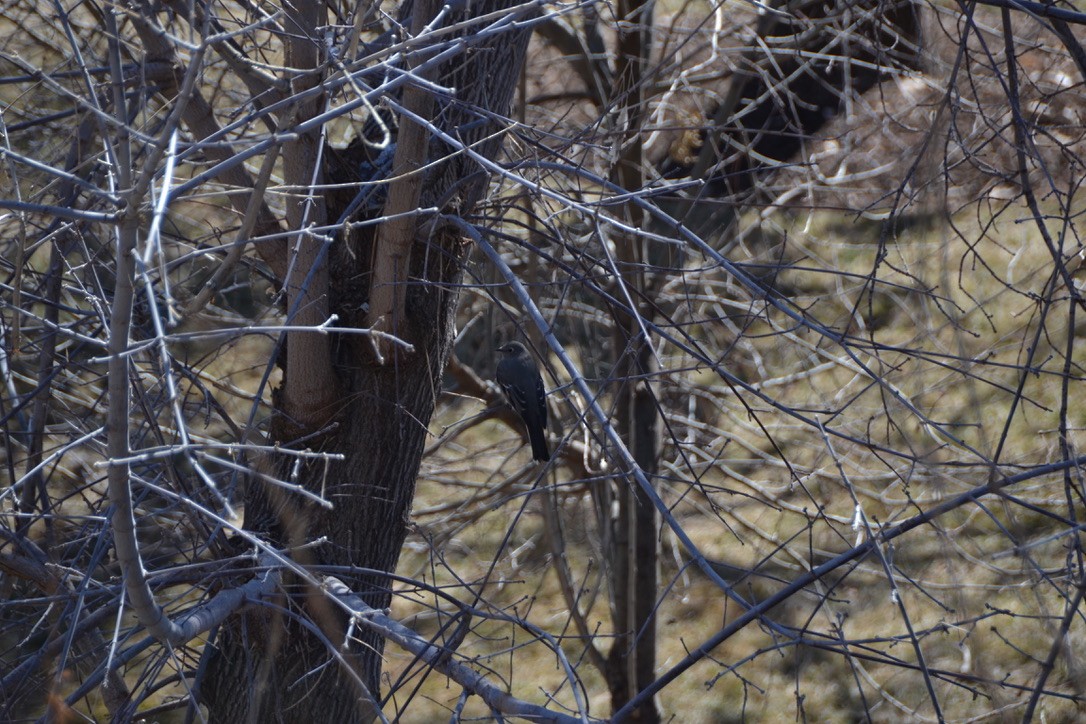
{"points": [[954, 336]]}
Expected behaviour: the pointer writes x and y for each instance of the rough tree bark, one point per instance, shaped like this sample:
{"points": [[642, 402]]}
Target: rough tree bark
{"points": [[267, 667], [631, 662]]}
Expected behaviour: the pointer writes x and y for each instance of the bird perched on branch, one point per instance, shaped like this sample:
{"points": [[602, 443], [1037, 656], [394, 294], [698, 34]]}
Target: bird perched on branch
{"points": [[519, 378]]}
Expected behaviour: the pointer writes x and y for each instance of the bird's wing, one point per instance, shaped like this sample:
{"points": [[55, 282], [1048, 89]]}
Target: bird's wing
{"points": [[515, 396], [541, 399]]}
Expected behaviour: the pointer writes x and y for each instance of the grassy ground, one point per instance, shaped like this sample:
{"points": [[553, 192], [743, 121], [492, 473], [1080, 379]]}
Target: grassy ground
{"points": [[953, 320]]}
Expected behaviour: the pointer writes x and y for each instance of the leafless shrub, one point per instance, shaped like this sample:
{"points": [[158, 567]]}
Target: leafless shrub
{"points": [[804, 280]]}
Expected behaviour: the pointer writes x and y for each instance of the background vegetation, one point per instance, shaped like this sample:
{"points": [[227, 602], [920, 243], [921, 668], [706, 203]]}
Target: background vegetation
{"points": [[804, 280]]}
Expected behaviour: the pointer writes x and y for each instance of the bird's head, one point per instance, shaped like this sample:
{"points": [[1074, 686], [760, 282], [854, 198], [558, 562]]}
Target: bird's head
{"points": [[512, 349]]}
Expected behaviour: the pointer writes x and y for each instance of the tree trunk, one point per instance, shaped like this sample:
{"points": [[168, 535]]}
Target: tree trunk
{"points": [[632, 658], [273, 666]]}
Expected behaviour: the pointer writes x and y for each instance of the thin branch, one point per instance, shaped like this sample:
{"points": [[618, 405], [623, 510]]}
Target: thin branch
{"points": [[440, 659]]}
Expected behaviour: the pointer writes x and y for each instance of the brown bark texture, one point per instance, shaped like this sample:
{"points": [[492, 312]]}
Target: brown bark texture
{"points": [[284, 666], [631, 662]]}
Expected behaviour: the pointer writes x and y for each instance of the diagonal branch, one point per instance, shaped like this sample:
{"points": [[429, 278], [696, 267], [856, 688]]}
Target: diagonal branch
{"points": [[395, 237], [439, 658]]}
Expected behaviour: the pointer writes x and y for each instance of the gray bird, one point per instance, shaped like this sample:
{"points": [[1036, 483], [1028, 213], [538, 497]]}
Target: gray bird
{"points": [[519, 378]]}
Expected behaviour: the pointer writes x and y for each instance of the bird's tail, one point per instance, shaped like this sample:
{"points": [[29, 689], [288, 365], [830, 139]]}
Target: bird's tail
{"points": [[538, 437]]}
